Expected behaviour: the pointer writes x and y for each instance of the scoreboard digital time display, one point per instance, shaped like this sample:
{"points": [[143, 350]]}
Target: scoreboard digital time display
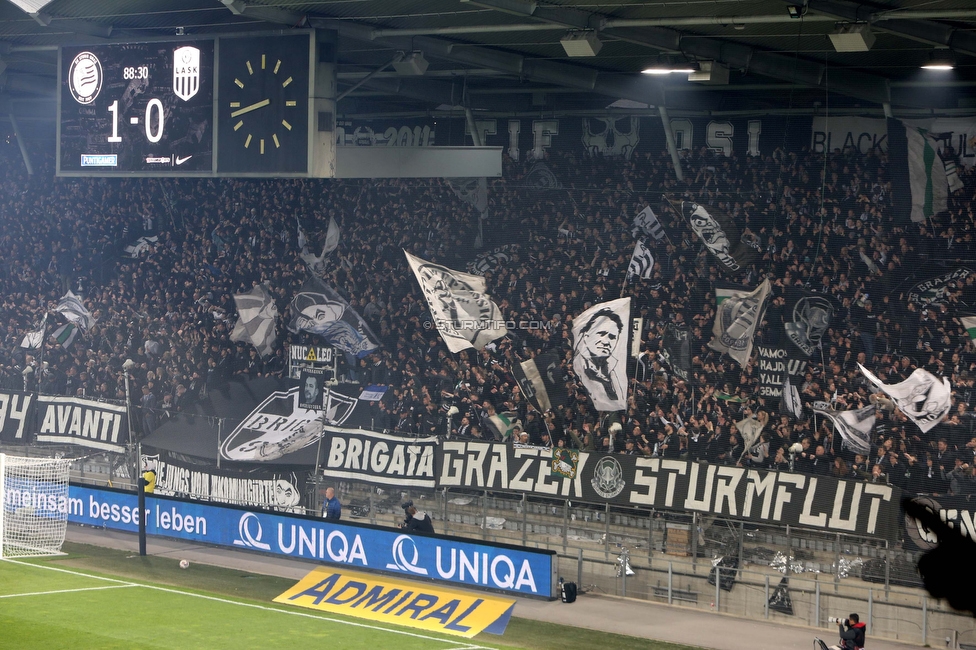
{"points": [[137, 108]]}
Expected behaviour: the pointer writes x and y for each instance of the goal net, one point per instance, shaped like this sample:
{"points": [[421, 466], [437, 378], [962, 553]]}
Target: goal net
{"points": [[34, 510]]}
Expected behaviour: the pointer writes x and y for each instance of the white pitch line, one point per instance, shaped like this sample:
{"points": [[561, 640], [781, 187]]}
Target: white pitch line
{"points": [[66, 591], [124, 583]]}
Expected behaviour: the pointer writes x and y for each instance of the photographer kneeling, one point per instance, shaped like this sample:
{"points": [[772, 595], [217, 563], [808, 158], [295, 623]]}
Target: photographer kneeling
{"points": [[853, 637], [416, 520]]}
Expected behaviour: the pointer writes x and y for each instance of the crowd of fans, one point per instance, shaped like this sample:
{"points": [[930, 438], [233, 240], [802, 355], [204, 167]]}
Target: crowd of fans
{"points": [[821, 222]]}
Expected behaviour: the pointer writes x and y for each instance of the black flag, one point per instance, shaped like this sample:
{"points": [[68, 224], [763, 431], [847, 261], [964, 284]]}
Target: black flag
{"points": [[676, 350], [779, 600], [806, 318], [533, 387], [554, 377]]}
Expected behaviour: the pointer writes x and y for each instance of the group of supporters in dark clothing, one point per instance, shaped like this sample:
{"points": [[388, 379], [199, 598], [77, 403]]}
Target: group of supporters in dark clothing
{"points": [[820, 222]]}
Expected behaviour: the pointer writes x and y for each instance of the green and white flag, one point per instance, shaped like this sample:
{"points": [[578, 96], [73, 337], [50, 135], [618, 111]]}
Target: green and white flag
{"points": [[65, 335], [920, 183], [502, 424], [969, 322]]}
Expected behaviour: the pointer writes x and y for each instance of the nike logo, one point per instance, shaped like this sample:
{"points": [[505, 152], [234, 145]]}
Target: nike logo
{"points": [[180, 161]]}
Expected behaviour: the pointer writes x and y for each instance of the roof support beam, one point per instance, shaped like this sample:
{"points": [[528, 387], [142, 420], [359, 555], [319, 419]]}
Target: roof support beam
{"points": [[928, 31], [777, 66]]}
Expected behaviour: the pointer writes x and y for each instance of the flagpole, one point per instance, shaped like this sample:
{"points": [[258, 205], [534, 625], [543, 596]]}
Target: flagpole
{"points": [[40, 357]]}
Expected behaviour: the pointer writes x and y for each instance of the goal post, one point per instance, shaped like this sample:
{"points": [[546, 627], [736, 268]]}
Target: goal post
{"points": [[33, 505]]}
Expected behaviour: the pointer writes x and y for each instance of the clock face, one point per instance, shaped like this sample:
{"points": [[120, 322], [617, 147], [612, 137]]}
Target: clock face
{"points": [[262, 105]]}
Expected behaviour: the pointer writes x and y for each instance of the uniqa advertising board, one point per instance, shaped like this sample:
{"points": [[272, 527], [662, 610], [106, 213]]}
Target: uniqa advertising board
{"points": [[510, 569]]}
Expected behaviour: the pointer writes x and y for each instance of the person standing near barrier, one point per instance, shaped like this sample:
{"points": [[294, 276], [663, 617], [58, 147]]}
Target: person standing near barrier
{"points": [[331, 508]]}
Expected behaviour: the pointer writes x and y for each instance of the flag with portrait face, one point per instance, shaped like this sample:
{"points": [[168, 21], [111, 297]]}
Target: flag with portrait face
{"points": [[318, 309], [600, 353]]}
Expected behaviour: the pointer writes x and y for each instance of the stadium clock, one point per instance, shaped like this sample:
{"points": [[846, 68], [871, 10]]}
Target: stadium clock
{"points": [[262, 105], [136, 108]]}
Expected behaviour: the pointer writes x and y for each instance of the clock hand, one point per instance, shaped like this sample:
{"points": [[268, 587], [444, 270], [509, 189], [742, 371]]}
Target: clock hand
{"points": [[252, 107]]}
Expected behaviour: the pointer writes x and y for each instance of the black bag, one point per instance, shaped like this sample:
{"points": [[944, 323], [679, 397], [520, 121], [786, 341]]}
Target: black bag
{"points": [[568, 592]]}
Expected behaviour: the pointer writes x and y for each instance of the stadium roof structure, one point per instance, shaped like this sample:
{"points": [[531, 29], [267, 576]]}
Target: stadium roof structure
{"points": [[558, 56]]}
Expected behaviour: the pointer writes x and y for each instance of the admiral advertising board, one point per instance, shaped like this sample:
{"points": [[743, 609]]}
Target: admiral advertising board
{"points": [[509, 569]]}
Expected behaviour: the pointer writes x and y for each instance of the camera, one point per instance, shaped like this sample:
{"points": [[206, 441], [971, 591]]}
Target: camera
{"points": [[838, 621]]}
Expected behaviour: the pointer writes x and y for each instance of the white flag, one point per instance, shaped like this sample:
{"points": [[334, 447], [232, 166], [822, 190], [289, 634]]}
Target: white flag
{"points": [[641, 262], [463, 313], [736, 317], [600, 353], [257, 317], [750, 428], [331, 238], [646, 222], [854, 426], [34, 339], [74, 311], [922, 397]]}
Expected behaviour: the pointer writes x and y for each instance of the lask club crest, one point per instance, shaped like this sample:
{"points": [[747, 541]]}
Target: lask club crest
{"points": [[186, 72], [279, 426]]}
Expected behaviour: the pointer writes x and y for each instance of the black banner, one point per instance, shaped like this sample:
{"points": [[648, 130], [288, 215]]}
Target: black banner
{"points": [[281, 491], [818, 502], [16, 418], [380, 458], [75, 421], [957, 512], [775, 365]]}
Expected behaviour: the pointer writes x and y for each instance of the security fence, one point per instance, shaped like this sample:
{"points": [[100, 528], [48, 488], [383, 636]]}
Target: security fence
{"points": [[791, 575]]}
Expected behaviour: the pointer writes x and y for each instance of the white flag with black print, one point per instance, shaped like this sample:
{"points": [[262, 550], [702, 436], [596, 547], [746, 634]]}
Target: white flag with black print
{"points": [[854, 426], [646, 223], [923, 397], [34, 338], [462, 312], [257, 316], [736, 316], [600, 353], [641, 262], [74, 311]]}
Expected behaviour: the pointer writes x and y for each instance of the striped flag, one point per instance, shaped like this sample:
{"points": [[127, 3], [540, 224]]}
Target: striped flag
{"points": [[920, 185], [74, 311], [641, 262], [502, 424], [969, 322], [65, 335]]}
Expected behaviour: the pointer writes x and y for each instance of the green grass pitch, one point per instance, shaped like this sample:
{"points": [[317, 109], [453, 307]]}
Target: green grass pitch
{"points": [[101, 598]]}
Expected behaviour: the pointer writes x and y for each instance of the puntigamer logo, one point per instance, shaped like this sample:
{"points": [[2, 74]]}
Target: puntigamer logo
{"points": [[85, 77]]}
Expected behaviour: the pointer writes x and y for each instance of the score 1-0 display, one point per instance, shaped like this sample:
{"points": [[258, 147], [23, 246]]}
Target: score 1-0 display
{"points": [[144, 108]]}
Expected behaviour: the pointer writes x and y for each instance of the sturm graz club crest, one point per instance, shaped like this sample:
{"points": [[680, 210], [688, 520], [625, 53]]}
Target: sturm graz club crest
{"points": [[85, 77], [280, 426], [608, 478], [186, 72]]}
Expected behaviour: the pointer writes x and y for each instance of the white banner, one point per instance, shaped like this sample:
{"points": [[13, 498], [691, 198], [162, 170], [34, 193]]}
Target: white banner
{"points": [[866, 133]]}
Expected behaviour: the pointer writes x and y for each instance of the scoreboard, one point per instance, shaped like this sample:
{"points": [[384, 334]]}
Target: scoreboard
{"points": [[220, 106], [145, 107]]}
